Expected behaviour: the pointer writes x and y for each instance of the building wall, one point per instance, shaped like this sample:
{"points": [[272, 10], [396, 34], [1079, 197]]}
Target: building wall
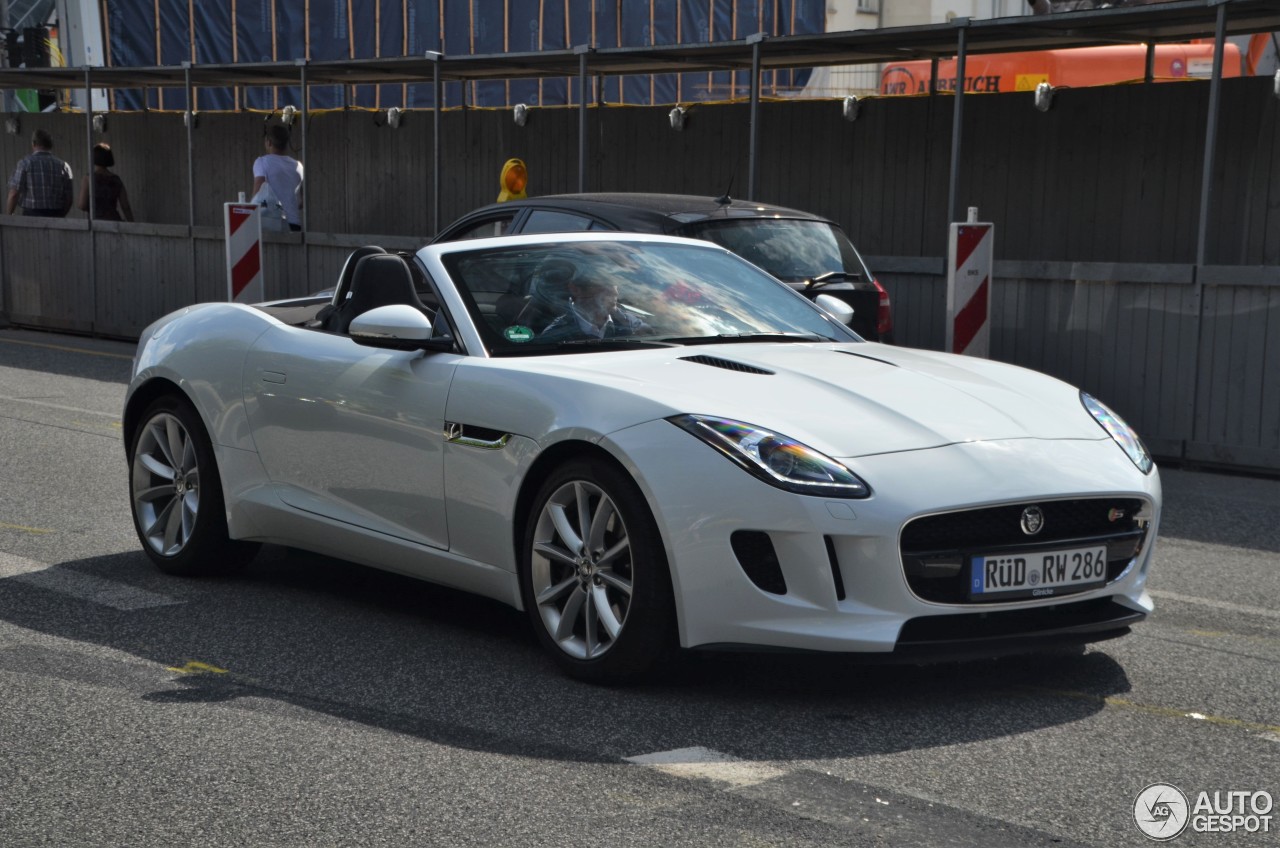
{"points": [[898, 13], [917, 12]]}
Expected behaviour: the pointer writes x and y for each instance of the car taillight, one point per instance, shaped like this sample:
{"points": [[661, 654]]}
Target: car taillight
{"points": [[884, 315]]}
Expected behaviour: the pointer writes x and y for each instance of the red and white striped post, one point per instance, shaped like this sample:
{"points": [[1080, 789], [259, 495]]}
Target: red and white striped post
{"points": [[242, 223], [969, 259]]}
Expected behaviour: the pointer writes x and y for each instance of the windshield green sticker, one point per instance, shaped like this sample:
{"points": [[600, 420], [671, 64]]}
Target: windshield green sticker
{"points": [[517, 333]]}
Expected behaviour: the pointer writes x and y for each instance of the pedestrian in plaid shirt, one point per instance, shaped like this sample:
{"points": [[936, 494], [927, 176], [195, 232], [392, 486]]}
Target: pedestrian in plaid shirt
{"points": [[42, 182]]}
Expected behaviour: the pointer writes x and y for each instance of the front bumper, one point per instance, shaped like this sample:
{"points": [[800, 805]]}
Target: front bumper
{"points": [[846, 588]]}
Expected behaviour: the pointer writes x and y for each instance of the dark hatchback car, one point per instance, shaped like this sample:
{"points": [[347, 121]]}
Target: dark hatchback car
{"points": [[809, 253]]}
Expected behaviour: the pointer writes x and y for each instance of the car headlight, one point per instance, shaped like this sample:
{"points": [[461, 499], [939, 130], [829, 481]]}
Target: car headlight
{"points": [[1124, 435], [774, 458]]}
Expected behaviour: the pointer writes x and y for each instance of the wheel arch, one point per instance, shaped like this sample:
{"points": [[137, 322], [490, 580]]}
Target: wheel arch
{"points": [[142, 397], [542, 467], [547, 462]]}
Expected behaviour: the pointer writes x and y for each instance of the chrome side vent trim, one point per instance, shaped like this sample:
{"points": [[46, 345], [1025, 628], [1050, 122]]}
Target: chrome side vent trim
{"points": [[475, 437], [726, 364]]}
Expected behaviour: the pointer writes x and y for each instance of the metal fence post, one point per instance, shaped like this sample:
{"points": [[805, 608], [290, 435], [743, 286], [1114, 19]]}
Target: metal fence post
{"points": [[754, 132], [582, 50], [435, 142], [93, 235], [957, 126], [191, 179], [1206, 199]]}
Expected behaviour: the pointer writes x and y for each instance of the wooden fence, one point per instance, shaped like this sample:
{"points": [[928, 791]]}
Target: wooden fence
{"points": [[1096, 205]]}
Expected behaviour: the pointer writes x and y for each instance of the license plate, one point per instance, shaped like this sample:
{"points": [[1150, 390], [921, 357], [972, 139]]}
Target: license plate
{"points": [[1041, 574]]}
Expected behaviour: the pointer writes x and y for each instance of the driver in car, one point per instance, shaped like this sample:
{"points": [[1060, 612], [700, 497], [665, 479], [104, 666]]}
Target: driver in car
{"points": [[593, 313]]}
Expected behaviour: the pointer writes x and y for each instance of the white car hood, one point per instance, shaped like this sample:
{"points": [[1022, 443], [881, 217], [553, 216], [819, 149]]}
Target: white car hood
{"points": [[846, 400]]}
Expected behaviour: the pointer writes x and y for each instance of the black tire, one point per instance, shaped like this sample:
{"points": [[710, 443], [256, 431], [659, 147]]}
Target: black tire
{"points": [[605, 609], [175, 494]]}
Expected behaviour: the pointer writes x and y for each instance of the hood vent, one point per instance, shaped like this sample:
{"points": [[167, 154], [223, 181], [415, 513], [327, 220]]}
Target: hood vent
{"points": [[865, 356], [726, 364]]}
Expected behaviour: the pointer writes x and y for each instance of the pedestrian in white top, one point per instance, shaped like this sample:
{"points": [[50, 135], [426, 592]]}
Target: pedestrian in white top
{"points": [[282, 173]]}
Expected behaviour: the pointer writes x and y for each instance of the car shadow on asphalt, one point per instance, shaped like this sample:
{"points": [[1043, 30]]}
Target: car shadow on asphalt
{"points": [[326, 641]]}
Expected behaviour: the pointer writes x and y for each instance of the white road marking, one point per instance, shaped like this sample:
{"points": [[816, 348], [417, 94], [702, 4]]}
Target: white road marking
{"points": [[77, 584], [59, 406], [1220, 605], [706, 763], [12, 566]]}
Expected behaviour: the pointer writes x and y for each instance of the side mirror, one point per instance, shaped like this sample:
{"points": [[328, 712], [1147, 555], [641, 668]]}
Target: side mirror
{"points": [[835, 307], [398, 327]]}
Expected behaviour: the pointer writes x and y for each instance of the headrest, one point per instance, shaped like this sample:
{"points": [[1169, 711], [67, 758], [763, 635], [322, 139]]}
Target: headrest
{"points": [[348, 269], [550, 283], [380, 272]]}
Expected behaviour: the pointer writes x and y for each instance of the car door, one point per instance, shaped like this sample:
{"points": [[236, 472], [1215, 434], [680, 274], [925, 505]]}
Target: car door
{"points": [[350, 432]]}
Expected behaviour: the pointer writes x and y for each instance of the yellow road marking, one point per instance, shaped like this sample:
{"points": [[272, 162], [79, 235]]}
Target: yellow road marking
{"points": [[1149, 709], [1224, 634], [68, 349], [100, 425], [193, 667], [23, 529]]}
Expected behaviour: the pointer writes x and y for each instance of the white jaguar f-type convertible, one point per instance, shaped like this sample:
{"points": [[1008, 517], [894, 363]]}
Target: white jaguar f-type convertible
{"points": [[646, 443]]}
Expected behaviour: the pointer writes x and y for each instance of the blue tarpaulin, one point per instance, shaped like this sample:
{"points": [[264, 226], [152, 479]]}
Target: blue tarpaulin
{"points": [[213, 47], [255, 28], [320, 30]]}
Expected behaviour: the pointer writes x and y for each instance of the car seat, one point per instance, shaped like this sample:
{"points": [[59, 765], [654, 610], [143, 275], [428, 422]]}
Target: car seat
{"points": [[548, 294], [324, 318], [379, 279]]}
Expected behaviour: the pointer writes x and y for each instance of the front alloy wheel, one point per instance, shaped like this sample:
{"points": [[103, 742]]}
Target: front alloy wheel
{"points": [[582, 569], [176, 494], [166, 485], [596, 581]]}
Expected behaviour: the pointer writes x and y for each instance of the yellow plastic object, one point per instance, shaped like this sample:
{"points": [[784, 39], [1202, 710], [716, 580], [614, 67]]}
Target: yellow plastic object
{"points": [[514, 180]]}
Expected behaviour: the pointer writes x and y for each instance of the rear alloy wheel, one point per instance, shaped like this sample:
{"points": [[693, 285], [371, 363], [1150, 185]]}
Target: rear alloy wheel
{"points": [[176, 494], [596, 582]]}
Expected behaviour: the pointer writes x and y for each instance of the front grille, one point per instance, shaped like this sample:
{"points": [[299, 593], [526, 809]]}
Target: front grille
{"points": [[936, 548]]}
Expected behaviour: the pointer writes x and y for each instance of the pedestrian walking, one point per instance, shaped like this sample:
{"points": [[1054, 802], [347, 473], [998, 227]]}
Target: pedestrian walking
{"points": [[41, 183], [110, 200]]}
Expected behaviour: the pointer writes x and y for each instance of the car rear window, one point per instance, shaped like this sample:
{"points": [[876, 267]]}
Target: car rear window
{"points": [[791, 250], [551, 221]]}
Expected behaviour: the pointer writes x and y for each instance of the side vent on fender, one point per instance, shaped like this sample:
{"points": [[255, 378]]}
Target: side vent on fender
{"points": [[726, 364], [758, 559], [475, 437]]}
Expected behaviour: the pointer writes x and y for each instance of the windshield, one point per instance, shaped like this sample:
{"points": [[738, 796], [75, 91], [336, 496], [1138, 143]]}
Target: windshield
{"points": [[791, 250], [572, 296]]}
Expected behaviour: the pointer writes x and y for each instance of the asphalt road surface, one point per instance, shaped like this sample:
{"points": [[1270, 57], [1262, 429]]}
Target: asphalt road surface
{"points": [[310, 702]]}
